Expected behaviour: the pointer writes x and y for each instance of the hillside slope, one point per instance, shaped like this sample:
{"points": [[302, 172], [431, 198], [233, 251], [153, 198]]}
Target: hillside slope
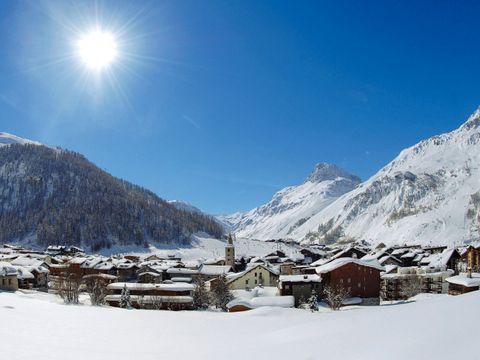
{"points": [[52, 196]]}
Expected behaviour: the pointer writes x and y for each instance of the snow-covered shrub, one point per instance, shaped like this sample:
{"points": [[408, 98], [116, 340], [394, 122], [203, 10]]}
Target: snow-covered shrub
{"points": [[201, 297], [313, 301], [125, 301], [335, 296]]}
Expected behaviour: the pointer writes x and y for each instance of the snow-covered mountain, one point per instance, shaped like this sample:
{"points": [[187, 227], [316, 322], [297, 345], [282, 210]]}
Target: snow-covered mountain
{"points": [[293, 206], [429, 194], [185, 206], [7, 139]]}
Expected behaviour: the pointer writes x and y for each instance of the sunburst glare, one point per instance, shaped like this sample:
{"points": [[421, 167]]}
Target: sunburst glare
{"points": [[97, 49]]}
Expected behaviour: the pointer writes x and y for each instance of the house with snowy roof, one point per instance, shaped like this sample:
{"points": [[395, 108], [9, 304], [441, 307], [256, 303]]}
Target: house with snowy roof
{"points": [[463, 283], [168, 296], [348, 252], [359, 278], [213, 271], [238, 305], [254, 275], [8, 277], [127, 270], [409, 281], [472, 255], [32, 272], [299, 286]]}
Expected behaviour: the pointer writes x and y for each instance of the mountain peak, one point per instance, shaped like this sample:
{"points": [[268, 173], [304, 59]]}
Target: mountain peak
{"points": [[325, 171], [8, 139], [473, 121]]}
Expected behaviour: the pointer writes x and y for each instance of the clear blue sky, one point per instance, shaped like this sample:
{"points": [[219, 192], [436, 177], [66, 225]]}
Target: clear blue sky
{"points": [[222, 103]]}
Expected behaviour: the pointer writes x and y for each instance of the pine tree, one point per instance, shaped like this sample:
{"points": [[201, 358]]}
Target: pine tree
{"points": [[221, 293], [201, 298], [313, 301], [125, 301]]}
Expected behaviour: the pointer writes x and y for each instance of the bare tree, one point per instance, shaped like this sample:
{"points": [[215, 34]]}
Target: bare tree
{"points": [[68, 286], [96, 287], [335, 296]]}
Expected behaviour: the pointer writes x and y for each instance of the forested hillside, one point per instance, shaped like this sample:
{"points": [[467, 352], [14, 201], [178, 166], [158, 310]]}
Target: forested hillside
{"points": [[52, 196]]}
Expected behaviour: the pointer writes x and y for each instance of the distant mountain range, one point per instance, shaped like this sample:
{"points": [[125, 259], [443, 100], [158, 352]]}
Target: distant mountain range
{"points": [[291, 207], [429, 194], [54, 196]]}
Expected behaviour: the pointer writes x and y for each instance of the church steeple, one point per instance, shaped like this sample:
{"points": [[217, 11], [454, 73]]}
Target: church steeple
{"points": [[230, 252]]}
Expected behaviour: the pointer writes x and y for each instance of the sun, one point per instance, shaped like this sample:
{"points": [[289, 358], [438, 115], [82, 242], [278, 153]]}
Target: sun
{"points": [[97, 49]]}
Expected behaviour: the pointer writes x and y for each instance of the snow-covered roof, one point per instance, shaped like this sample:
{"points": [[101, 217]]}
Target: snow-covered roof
{"points": [[6, 269], [277, 301], [390, 268], [23, 273], [138, 286], [104, 265], [234, 276], [464, 280], [213, 270], [151, 273], [146, 299], [90, 263], [375, 255], [78, 260], [384, 258], [27, 261], [300, 278], [183, 271], [335, 264], [438, 260], [126, 265], [102, 276], [178, 279]]}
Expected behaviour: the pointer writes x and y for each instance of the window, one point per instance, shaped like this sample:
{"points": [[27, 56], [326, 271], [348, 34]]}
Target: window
{"points": [[359, 285], [246, 282], [341, 281], [255, 275], [255, 281], [9, 281], [349, 280], [287, 286]]}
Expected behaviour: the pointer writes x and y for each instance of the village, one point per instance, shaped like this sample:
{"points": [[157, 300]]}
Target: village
{"points": [[329, 276]]}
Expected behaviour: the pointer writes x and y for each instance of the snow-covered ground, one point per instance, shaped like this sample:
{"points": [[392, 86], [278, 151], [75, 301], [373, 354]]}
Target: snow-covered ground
{"points": [[210, 248], [36, 326]]}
